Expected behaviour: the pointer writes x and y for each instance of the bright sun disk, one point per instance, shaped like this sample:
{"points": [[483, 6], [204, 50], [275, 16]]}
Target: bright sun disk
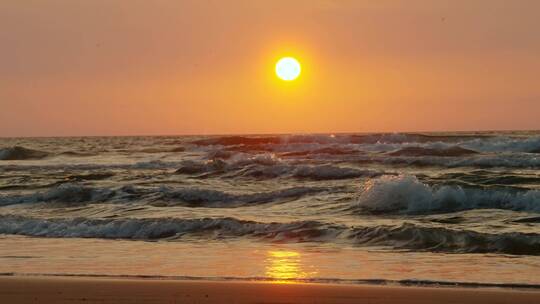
{"points": [[288, 68]]}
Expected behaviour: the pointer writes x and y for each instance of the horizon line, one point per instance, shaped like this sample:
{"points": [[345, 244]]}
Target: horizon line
{"points": [[277, 134]]}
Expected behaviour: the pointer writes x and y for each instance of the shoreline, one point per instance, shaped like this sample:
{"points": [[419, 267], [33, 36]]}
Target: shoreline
{"points": [[47, 289], [409, 283]]}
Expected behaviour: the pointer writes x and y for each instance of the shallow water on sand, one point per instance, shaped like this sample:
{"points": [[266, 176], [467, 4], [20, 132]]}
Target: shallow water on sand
{"points": [[440, 207], [241, 260]]}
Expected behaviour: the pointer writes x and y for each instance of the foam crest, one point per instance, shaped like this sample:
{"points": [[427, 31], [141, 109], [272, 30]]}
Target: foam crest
{"points": [[406, 194]]}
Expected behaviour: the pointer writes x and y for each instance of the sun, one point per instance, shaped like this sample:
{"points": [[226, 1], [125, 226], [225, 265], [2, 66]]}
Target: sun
{"points": [[288, 68]]}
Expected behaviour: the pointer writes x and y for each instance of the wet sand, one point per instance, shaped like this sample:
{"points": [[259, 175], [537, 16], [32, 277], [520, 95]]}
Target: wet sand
{"points": [[28, 289]]}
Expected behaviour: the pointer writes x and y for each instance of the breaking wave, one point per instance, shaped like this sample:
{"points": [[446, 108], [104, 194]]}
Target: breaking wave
{"points": [[406, 194]]}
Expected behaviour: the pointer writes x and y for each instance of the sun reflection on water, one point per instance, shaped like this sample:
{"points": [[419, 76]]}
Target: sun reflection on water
{"points": [[285, 266]]}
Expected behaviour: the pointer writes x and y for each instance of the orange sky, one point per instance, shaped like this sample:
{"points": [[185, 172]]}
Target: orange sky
{"points": [[97, 67]]}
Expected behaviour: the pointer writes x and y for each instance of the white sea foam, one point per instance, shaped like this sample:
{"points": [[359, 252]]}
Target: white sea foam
{"points": [[406, 194]]}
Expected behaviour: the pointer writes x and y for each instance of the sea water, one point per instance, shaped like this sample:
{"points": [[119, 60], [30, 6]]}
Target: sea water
{"points": [[432, 208]]}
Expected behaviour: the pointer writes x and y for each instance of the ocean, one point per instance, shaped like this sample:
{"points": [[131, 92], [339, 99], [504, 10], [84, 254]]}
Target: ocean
{"points": [[393, 208]]}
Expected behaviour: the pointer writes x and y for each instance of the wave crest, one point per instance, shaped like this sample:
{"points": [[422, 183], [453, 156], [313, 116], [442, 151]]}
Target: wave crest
{"points": [[444, 152], [406, 194], [196, 197], [269, 166], [405, 236], [67, 193], [21, 153], [439, 239], [74, 194]]}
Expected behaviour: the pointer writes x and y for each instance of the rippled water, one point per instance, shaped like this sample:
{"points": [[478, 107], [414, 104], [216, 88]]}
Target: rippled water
{"points": [[453, 197]]}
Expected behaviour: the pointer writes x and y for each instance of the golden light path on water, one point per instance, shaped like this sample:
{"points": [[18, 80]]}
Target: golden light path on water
{"points": [[278, 262], [285, 266]]}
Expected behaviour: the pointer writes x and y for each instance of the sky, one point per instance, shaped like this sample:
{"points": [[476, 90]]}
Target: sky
{"points": [[134, 67]]}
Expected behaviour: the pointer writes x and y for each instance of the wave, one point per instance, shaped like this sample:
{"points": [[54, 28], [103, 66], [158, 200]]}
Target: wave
{"points": [[142, 165], [21, 153], [89, 176], [234, 162], [237, 160], [237, 140], [406, 194], [329, 172], [489, 178], [67, 193], [195, 197], [276, 140], [401, 138], [397, 138], [499, 144], [395, 144], [306, 172], [444, 152], [271, 168], [334, 150], [266, 159], [503, 160], [406, 236], [195, 167], [439, 239], [505, 144], [72, 194], [162, 150], [76, 154], [151, 229]]}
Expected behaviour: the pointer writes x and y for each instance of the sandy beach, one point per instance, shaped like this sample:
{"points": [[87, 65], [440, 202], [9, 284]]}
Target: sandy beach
{"points": [[24, 289]]}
